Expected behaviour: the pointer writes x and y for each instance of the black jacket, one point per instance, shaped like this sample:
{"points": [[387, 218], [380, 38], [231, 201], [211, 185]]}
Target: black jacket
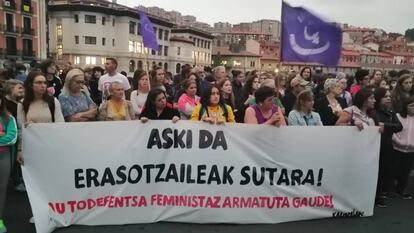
{"points": [[327, 116], [391, 124]]}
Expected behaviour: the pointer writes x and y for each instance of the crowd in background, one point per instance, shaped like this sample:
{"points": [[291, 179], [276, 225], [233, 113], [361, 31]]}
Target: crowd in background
{"points": [[47, 94]]}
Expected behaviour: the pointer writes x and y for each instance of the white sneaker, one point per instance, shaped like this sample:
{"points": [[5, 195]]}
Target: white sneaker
{"points": [[31, 220]]}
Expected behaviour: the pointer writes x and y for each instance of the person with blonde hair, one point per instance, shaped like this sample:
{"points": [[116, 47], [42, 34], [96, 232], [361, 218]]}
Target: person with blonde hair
{"points": [[76, 104], [116, 108], [219, 73], [302, 114]]}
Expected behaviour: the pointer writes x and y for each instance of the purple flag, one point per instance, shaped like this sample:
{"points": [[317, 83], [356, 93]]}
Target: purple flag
{"points": [[148, 33], [307, 38]]}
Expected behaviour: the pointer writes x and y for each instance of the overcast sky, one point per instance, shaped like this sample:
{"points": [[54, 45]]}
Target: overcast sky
{"points": [[390, 15]]}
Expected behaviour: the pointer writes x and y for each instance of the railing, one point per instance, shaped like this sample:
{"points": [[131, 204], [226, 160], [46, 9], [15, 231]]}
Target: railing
{"points": [[28, 31], [28, 54], [9, 28]]}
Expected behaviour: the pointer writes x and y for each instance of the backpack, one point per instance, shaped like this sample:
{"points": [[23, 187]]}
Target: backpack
{"points": [[223, 108]]}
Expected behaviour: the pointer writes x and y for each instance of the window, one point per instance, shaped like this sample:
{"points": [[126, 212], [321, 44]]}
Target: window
{"points": [[208, 45], [132, 27], [76, 39], [76, 18], [165, 50], [138, 47], [131, 46], [90, 60], [198, 42], [113, 22], [160, 34], [27, 25], [76, 60], [103, 41], [166, 35], [103, 20], [27, 47], [178, 68], [152, 52], [140, 65], [113, 42], [159, 50], [202, 43], [90, 19], [165, 67], [90, 40], [11, 45], [131, 66], [59, 51], [139, 29], [178, 51], [252, 64]]}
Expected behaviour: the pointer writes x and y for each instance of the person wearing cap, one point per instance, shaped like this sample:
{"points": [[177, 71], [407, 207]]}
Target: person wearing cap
{"points": [[296, 86], [76, 105]]}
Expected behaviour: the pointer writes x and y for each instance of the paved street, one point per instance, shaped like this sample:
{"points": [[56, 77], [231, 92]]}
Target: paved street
{"points": [[397, 218]]}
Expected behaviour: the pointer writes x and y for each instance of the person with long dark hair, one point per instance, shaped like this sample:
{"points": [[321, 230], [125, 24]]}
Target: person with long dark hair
{"points": [[403, 91], [389, 119], [188, 100], [141, 88], [96, 95], [156, 107], [54, 83], [212, 108], [8, 137], [37, 106], [361, 114]]}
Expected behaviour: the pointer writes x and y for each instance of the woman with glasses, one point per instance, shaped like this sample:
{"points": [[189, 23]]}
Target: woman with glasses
{"points": [[77, 106]]}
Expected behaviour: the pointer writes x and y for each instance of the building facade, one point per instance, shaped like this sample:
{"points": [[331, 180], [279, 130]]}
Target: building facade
{"points": [[20, 38], [86, 32]]}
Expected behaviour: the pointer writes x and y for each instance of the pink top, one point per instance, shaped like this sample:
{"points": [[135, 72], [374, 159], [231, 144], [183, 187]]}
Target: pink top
{"points": [[186, 105], [355, 88]]}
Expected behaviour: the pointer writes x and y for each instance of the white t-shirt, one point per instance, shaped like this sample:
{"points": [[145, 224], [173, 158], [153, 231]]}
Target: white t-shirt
{"points": [[138, 101], [106, 80]]}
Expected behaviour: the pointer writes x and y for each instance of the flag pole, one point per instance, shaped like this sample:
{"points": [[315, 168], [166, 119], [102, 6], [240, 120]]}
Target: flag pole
{"points": [[281, 37]]}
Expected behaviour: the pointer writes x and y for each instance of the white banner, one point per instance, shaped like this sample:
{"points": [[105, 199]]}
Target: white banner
{"points": [[106, 173]]}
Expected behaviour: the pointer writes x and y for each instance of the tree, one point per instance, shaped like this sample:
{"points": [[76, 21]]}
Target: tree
{"points": [[409, 34]]}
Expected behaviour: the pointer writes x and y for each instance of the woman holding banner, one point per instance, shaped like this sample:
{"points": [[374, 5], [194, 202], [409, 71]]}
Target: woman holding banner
{"points": [[8, 137], [387, 116], [361, 114], [77, 106], [116, 108], [156, 107], [265, 111], [212, 108], [302, 114]]}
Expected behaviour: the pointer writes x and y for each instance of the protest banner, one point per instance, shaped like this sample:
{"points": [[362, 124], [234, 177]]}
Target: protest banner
{"points": [[105, 173]]}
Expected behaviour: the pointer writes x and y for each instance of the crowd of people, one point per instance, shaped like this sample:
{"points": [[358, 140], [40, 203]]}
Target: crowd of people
{"points": [[305, 98]]}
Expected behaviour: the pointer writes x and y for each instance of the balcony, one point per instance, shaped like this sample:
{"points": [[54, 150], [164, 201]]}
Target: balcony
{"points": [[9, 5], [9, 29], [12, 53], [28, 31], [26, 9]]}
